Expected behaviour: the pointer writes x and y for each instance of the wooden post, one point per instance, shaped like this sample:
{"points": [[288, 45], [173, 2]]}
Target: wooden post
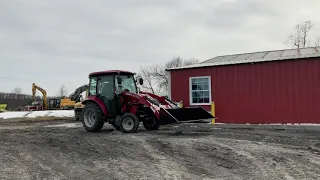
{"points": [[213, 113], [181, 104]]}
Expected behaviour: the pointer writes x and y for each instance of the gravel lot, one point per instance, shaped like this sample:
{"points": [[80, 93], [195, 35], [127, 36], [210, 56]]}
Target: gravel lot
{"points": [[46, 150]]}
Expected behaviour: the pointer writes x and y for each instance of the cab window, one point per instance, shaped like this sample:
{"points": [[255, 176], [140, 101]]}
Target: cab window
{"points": [[127, 84], [93, 86]]}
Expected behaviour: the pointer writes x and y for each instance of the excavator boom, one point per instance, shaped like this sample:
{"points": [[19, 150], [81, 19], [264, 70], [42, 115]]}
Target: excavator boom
{"points": [[44, 93]]}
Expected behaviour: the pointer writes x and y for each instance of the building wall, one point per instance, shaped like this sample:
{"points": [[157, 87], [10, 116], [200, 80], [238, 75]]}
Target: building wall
{"points": [[268, 92]]}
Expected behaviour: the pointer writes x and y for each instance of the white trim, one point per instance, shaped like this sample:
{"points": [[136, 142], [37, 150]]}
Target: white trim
{"points": [[169, 83], [190, 90]]}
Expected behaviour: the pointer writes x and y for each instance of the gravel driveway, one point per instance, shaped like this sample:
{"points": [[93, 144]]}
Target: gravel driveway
{"points": [[45, 150]]}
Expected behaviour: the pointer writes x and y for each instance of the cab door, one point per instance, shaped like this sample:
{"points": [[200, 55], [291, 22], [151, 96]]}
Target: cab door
{"points": [[105, 88]]}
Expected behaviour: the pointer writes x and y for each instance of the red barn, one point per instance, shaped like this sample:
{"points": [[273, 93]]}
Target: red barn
{"points": [[280, 86]]}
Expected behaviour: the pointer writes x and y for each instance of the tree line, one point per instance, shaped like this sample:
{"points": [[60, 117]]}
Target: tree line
{"points": [[14, 101], [16, 93], [16, 96]]}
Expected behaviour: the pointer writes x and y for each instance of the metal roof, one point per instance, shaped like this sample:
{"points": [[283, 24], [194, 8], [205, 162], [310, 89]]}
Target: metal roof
{"points": [[254, 57]]}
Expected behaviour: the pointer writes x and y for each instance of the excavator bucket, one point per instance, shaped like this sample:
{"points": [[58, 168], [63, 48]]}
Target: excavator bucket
{"points": [[183, 115]]}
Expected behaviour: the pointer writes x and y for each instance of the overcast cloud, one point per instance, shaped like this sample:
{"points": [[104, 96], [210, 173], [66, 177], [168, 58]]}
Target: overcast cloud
{"points": [[54, 42]]}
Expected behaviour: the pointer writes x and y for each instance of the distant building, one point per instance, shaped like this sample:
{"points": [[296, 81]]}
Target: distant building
{"points": [[281, 86]]}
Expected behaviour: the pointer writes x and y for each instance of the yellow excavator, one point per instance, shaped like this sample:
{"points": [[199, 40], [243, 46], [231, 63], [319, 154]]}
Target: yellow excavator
{"points": [[47, 104], [74, 98], [44, 94], [79, 106], [67, 103], [55, 103]]}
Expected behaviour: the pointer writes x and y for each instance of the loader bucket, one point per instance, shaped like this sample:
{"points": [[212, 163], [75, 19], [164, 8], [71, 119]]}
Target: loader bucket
{"points": [[183, 115]]}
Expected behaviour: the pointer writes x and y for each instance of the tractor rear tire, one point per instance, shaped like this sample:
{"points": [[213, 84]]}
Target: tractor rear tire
{"points": [[129, 123], [151, 124], [92, 117]]}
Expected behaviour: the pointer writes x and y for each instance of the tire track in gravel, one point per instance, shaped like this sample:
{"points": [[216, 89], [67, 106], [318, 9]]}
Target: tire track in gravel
{"points": [[205, 160], [11, 165], [169, 169], [43, 170], [20, 161], [274, 161]]}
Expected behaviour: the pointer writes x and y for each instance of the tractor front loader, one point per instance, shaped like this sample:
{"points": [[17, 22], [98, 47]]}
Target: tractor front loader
{"points": [[113, 97]]}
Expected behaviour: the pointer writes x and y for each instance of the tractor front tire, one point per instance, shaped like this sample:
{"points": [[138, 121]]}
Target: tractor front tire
{"points": [[92, 117], [129, 123], [151, 124]]}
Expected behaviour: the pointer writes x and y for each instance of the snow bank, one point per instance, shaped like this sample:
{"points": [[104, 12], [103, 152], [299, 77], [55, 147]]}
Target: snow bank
{"points": [[7, 115], [34, 114], [62, 113], [67, 125]]}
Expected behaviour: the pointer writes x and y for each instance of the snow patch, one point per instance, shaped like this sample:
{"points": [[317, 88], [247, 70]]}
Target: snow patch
{"points": [[55, 113], [7, 115], [67, 125], [34, 114], [37, 114]]}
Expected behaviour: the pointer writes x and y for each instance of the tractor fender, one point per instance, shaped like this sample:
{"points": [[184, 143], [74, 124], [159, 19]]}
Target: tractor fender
{"points": [[99, 102]]}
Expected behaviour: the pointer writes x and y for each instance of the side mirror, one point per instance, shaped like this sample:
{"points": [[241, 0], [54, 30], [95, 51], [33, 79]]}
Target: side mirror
{"points": [[119, 79], [140, 81]]}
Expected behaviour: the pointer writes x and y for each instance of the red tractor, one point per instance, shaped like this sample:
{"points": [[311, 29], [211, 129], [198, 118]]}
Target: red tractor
{"points": [[113, 97]]}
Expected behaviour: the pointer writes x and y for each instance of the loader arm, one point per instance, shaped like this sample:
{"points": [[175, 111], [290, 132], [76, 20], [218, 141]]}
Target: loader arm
{"points": [[161, 99], [44, 94], [164, 109]]}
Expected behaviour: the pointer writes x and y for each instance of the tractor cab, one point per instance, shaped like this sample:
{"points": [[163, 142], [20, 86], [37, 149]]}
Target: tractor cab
{"points": [[108, 85]]}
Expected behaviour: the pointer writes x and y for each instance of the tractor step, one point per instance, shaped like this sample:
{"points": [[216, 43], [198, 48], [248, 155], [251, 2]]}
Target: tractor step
{"points": [[183, 115]]}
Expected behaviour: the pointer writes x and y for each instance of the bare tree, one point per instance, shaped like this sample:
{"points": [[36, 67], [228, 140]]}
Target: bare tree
{"points": [[317, 41], [148, 84], [158, 72], [17, 90], [299, 39], [63, 91], [155, 76]]}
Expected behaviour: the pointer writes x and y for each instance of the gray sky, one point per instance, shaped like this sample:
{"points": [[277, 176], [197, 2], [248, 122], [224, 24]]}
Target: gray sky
{"points": [[60, 42]]}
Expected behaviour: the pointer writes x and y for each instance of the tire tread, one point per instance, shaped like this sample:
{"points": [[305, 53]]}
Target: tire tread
{"points": [[136, 123], [99, 118]]}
